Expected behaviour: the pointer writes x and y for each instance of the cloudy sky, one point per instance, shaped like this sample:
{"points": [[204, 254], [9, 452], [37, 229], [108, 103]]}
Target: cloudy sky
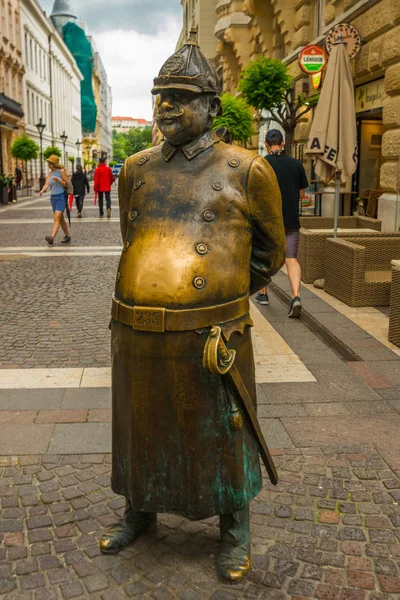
{"points": [[134, 38]]}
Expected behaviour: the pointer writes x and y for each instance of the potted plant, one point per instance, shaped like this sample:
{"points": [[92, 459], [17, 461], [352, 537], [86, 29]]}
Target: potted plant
{"points": [[12, 192], [3, 189]]}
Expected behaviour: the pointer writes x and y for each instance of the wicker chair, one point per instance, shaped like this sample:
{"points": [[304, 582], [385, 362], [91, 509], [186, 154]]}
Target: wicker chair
{"points": [[357, 222], [311, 254], [359, 272], [394, 316], [372, 204]]}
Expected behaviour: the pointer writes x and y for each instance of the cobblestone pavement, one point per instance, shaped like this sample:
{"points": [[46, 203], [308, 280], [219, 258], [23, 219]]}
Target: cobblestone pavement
{"points": [[330, 530], [56, 318]]}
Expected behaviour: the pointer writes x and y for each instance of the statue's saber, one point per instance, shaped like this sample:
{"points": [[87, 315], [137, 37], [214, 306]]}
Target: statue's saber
{"points": [[220, 361]]}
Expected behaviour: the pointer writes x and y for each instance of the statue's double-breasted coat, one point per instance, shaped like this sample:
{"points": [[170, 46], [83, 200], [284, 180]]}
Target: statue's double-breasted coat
{"points": [[201, 226]]}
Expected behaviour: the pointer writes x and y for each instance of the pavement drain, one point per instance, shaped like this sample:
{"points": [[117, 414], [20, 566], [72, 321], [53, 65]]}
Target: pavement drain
{"points": [[330, 530]]}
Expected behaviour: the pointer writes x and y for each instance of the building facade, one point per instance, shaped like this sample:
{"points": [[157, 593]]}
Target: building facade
{"points": [[11, 81], [279, 29], [124, 124], [200, 14], [97, 140], [51, 87]]}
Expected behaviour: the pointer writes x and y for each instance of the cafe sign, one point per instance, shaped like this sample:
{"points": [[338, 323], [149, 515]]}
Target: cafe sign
{"points": [[312, 59], [370, 96]]}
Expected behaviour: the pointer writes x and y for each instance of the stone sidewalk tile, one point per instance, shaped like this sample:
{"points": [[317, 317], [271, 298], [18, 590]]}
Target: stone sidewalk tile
{"points": [[25, 438], [99, 415], [329, 530], [79, 438], [99, 398], [370, 376], [61, 416], [31, 399], [17, 417]]}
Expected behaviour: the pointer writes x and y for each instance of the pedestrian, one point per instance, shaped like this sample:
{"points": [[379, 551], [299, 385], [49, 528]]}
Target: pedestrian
{"points": [[103, 180], [18, 178], [292, 180], [57, 180], [81, 185], [180, 444]]}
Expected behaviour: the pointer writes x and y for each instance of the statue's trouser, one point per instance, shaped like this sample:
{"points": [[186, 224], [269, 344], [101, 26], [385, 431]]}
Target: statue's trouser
{"points": [[234, 560]]}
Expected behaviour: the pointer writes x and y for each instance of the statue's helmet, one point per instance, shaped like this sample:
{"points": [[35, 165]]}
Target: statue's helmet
{"points": [[188, 69]]}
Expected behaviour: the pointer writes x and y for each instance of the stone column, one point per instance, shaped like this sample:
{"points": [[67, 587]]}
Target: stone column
{"points": [[388, 204]]}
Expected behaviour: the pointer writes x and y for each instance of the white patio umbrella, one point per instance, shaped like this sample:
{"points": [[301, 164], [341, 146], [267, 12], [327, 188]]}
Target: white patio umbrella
{"points": [[333, 135]]}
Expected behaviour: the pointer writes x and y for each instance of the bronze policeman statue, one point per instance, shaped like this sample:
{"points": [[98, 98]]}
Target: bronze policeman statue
{"points": [[202, 228]]}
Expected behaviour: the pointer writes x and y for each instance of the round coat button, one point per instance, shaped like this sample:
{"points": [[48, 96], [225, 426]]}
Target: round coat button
{"points": [[234, 162], [132, 215], [208, 215], [142, 160], [199, 282], [217, 185], [137, 184], [126, 246], [201, 248]]}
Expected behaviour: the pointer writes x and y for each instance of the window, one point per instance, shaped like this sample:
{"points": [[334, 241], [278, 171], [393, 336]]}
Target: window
{"points": [[28, 107], [17, 31], [26, 49], [10, 27]]}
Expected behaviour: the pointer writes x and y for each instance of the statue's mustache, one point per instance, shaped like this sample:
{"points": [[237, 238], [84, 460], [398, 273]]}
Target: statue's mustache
{"points": [[171, 115]]}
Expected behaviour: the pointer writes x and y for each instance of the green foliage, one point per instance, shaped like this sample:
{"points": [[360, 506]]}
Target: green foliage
{"points": [[113, 162], [126, 144], [267, 85], [3, 180], [264, 83], [24, 148], [71, 159], [237, 117], [51, 150]]}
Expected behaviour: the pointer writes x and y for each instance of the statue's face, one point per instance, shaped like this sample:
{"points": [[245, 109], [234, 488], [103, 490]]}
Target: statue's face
{"points": [[184, 116]]}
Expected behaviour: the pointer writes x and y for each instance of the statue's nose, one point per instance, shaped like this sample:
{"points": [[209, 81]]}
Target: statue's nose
{"points": [[167, 105]]}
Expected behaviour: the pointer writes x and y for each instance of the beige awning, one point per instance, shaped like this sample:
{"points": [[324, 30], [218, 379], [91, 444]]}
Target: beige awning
{"points": [[333, 136]]}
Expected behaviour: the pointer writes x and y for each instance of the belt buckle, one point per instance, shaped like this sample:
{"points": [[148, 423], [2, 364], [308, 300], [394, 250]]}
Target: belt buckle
{"points": [[148, 318]]}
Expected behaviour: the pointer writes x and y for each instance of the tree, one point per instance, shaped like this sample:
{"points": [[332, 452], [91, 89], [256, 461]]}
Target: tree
{"points": [[267, 85], [119, 146], [51, 150], [24, 148], [237, 117], [138, 138]]}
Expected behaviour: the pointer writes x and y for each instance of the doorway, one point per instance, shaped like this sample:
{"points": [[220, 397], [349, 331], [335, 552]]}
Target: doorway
{"points": [[370, 132]]}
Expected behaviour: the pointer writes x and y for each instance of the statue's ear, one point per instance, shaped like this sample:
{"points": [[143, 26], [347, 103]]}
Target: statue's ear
{"points": [[215, 107]]}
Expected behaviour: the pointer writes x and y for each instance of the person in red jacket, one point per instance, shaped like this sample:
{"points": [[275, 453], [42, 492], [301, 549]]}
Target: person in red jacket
{"points": [[103, 180]]}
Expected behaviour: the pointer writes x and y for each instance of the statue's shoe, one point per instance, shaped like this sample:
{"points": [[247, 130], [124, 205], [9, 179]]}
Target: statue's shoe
{"points": [[233, 563], [123, 533], [234, 560]]}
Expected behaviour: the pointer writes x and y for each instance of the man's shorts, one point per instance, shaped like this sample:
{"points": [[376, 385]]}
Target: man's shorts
{"points": [[292, 242]]}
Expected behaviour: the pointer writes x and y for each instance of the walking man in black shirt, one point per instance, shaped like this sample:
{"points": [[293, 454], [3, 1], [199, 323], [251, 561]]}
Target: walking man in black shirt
{"points": [[292, 181]]}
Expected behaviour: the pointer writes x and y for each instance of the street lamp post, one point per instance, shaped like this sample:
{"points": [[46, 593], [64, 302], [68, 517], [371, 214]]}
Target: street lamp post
{"points": [[78, 145], [2, 109], [64, 138], [41, 127]]}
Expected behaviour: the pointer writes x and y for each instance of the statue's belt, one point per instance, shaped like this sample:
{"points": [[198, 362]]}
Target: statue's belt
{"points": [[153, 318]]}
